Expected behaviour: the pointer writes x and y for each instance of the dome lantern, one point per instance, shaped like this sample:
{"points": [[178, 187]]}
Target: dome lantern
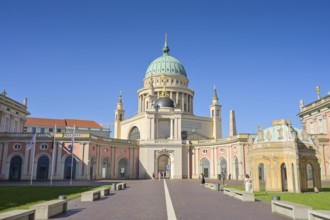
{"points": [[166, 64]]}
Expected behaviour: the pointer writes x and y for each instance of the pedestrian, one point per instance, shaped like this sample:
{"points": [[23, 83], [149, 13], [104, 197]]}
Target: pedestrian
{"points": [[158, 175], [203, 179], [248, 184], [223, 179]]}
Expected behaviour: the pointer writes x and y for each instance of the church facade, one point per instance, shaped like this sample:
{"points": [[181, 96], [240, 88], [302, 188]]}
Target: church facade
{"points": [[166, 138], [167, 128]]}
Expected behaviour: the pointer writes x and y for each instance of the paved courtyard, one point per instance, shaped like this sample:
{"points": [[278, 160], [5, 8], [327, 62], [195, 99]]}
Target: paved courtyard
{"points": [[146, 199]]}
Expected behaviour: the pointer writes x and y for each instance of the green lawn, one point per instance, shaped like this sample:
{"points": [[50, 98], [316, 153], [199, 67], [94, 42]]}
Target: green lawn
{"points": [[22, 197], [315, 200]]}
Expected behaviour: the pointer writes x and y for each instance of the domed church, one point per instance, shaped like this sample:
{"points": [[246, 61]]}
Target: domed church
{"points": [[165, 121]]}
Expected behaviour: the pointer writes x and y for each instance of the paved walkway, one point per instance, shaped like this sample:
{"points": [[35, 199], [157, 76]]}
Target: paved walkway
{"points": [[145, 199]]}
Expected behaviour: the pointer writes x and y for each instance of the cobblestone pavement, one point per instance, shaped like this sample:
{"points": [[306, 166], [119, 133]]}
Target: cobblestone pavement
{"points": [[145, 199]]}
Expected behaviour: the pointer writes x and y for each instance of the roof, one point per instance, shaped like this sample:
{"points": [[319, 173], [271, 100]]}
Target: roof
{"points": [[82, 123], [61, 122], [45, 122], [166, 64]]}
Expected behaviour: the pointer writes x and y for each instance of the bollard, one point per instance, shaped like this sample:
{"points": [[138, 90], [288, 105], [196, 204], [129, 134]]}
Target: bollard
{"points": [[62, 197], [277, 198]]}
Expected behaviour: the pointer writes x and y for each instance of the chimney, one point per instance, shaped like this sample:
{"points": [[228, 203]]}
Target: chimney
{"points": [[232, 124]]}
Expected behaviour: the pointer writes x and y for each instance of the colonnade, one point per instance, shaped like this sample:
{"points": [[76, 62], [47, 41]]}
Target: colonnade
{"points": [[185, 101]]}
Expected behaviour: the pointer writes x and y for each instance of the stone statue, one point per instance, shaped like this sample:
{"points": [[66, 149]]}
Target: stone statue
{"points": [[260, 133]]}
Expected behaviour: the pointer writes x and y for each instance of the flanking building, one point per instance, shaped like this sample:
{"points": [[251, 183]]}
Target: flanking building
{"points": [[315, 119]]}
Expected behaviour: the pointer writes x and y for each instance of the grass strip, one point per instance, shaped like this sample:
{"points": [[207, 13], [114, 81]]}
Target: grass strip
{"points": [[22, 197], [318, 201]]}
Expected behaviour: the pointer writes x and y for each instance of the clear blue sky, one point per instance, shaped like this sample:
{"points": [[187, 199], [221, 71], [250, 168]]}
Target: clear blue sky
{"points": [[71, 58]]}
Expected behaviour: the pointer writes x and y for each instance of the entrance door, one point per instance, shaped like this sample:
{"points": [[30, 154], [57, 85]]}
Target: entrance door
{"points": [[206, 167], [67, 168], [15, 168], [123, 168], [164, 166], [42, 168], [105, 168]]}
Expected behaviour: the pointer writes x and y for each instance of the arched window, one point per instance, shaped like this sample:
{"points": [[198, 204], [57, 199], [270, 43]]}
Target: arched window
{"points": [[134, 134]]}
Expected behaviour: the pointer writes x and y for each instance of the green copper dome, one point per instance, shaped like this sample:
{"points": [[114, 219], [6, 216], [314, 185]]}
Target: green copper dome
{"points": [[166, 64]]}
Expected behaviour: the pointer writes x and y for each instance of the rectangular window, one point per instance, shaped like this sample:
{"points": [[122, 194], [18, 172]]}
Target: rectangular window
{"points": [[311, 128], [34, 129], [42, 130], [218, 113], [321, 125], [51, 129], [6, 125], [15, 126], [58, 130]]}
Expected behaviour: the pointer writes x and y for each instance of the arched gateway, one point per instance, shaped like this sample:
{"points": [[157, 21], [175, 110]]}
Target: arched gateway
{"points": [[164, 166]]}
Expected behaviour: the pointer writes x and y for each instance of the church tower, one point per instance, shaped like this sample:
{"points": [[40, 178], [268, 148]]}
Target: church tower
{"points": [[215, 111], [119, 117]]}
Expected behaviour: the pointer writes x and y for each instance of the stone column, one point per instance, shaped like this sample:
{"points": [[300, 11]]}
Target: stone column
{"points": [[193, 161], [1, 125], [171, 129], [156, 128], [4, 159], [324, 122], [175, 128], [240, 157], [5, 163], [197, 162], [212, 173], [149, 128], [183, 101], [139, 104], [177, 98], [179, 128], [188, 155], [152, 124], [113, 162], [143, 105], [131, 167], [192, 104]]}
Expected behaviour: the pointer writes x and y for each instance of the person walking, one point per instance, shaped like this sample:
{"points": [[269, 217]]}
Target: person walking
{"points": [[203, 179], [248, 184]]}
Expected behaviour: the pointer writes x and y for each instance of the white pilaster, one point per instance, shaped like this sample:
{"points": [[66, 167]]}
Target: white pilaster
{"points": [[4, 159], [156, 128], [193, 161], [171, 129], [212, 162], [183, 101]]}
